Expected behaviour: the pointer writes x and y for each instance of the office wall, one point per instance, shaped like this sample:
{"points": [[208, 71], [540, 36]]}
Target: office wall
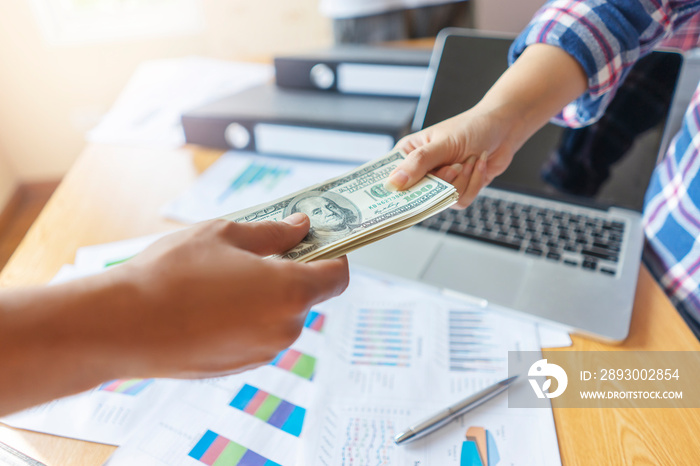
{"points": [[49, 95], [490, 14]]}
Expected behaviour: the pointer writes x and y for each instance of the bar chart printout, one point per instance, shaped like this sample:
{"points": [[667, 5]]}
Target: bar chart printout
{"points": [[352, 434], [382, 337], [369, 441], [241, 179], [315, 321], [295, 362], [271, 409], [215, 450], [126, 387], [471, 343], [256, 174]]}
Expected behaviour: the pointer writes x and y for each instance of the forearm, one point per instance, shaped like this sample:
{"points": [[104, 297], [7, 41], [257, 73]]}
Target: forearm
{"points": [[60, 340], [533, 90], [202, 302]]}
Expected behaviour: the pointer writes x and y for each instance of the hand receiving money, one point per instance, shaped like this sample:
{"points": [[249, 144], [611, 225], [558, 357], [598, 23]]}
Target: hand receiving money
{"points": [[354, 209]]}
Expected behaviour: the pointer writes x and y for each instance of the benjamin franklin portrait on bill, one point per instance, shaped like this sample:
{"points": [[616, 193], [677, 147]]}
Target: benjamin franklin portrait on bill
{"points": [[332, 216]]}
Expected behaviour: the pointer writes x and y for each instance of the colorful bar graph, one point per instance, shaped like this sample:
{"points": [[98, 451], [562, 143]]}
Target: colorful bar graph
{"points": [[382, 337], [271, 409], [471, 343], [215, 450], [295, 362], [369, 441], [380, 363], [315, 321], [127, 387], [253, 174]]}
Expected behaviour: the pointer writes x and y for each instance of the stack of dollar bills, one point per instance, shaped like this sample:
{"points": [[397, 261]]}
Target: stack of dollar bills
{"points": [[354, 209]]}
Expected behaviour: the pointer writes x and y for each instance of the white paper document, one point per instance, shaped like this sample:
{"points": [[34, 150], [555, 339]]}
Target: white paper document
{"points": [[377, 359], [552, 337], [148, 110], [396, 354], [239, 180], [107, 414], [255, 418], [103, 256]]}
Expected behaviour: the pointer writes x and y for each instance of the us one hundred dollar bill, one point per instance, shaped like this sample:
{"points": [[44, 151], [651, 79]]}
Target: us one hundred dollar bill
{"points": [[354, 209]]}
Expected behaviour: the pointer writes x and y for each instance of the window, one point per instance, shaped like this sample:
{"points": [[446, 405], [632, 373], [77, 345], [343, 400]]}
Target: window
{"points": [[83, 22]]}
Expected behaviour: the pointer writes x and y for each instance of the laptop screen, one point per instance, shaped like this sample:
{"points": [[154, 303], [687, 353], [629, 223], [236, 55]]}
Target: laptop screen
{"points": [[465, 64]]}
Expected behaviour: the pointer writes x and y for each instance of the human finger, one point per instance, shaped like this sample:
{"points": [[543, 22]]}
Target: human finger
{"points": [[416, 165], [322, 280], [477, 180], [411, 142], [449, 173], [462, 180], [265, 238]]}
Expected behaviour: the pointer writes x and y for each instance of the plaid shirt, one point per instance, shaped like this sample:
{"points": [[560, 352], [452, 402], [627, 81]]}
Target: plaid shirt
{"points": [[685, 38], [607, 37]]}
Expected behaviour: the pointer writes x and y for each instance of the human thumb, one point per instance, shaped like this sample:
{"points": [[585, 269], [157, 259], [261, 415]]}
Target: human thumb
{"points": [[265, 238]]}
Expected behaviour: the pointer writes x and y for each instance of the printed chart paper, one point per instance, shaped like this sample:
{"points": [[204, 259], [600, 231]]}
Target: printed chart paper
{"points": [[238, 180], [396, 354]]}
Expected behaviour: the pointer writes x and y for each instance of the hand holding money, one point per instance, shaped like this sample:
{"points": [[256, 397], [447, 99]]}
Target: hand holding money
{"points": [[354, 209]]}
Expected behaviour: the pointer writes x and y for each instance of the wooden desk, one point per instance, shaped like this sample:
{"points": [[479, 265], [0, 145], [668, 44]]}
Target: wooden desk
{"points": [[115, 193]]}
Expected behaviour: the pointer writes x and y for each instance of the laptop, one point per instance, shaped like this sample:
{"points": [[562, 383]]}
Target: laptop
{"points": [[522, 246]]}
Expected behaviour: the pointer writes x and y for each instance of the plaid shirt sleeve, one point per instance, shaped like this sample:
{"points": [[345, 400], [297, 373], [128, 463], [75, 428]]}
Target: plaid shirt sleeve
{"points": [[686, 37], [672, 216], [606, 37]]}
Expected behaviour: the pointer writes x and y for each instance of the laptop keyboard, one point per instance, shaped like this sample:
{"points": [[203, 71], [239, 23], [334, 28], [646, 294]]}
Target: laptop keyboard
{"points": [[576, 240]]}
